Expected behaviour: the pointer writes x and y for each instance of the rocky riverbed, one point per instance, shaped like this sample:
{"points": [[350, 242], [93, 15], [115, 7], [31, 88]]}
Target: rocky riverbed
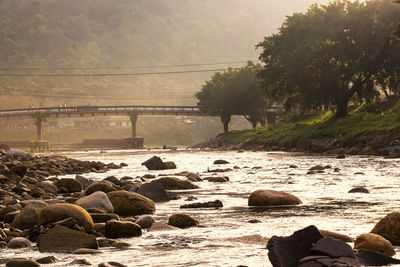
{"points": [[61, 211]]}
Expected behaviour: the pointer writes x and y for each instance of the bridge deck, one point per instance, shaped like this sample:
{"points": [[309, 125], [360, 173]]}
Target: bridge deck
{"points": [[102, 111]]}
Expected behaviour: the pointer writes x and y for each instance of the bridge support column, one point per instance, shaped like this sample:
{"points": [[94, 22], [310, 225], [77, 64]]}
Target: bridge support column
{"points": [[39, 128], [133, 118]]}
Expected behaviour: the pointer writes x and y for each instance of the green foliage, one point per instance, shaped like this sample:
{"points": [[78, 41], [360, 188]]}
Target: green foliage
{"points": [[233, 92], [332, 53], [318, 126]]}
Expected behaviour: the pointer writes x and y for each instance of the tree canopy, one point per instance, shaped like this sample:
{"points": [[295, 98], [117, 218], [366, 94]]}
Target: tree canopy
{"points": [[332, 53], [234, 92]]}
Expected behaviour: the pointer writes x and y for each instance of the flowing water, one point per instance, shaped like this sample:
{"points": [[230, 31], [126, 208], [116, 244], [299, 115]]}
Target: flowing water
{"points": [[216, 242]]}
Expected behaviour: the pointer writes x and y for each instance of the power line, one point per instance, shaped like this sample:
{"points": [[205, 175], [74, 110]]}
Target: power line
{"points": [[112, 74], [130, 67]]}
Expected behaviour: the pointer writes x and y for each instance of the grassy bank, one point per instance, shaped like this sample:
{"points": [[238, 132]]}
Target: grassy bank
{"points": [[295, 129]]}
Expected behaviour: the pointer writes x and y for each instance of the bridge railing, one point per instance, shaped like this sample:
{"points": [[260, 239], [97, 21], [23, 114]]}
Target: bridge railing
{"points": [[98, 109]]}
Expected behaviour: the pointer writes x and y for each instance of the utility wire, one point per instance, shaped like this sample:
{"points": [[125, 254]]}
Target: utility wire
{"points": [[111, 74], [129, 67]]}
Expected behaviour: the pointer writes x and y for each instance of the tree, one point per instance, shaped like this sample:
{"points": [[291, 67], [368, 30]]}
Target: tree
{"points": [[233, 92], [330, 54]]}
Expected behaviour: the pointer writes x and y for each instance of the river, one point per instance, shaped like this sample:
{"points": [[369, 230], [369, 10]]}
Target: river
{"points": [[326, 204]]}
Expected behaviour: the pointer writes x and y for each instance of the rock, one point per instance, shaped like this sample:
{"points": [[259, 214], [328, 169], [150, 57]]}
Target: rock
{"points": [[359, 190], [113, 180], [19, 170], [374, 242], [98, 199], [182, 221], [5, 147], [372, 258], [80, 262], [48, 186], [337, 236], [47, 260], [340, 156], [118, 229], [86, 251], [221, 161], [210, 204], [216, 179], [104, 186], [154, 163], [173, 183], [193, 177], [161, 226], [145, 221], [70, 184], [265, 197], [21, 263], [169, 165], [320, 260], [317, 168], [389, 228], [130, 203], [111, 264], [106, 242], [287, 251], [102, 218], [333, 248], [154, 191], [100, 227], [16, 152], [19, 242], [62, 239], [84, 181], [61, 211], [27, 217]]}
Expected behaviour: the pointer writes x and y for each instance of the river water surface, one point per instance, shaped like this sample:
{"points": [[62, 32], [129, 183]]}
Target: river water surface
{"points": [[220, 240]]}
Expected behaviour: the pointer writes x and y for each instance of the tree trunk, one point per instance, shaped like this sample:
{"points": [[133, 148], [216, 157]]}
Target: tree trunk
{"points": [[341, 108], [225, 119]]}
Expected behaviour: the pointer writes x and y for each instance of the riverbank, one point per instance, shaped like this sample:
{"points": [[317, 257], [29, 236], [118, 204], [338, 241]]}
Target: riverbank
{"points": [[360, 133]]}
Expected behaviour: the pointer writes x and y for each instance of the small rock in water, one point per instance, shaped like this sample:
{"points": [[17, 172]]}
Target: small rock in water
{"points": [[221, 161], [359, 190], [211, 204], [22, 263], [80, 262], [19, 242], [182, 221], [112, 264], [340, 156], [293, 167], [253, 221], [47, 260], [86, 251]]}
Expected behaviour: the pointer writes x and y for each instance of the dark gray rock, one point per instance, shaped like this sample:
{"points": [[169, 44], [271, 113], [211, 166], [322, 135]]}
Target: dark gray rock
{"points": [[47, 260], [220, 161], [359, 190], [287, 251], [117, 229], [154, 191], [372, 258], [154, 163], [211, 204], [19, 170], [333, 248], [21, 263]]}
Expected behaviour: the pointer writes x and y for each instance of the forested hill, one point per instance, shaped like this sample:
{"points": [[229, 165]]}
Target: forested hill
{"points": [[100, 33]]}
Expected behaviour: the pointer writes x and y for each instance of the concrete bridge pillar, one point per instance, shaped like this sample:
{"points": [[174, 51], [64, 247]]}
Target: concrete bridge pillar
{"points": [[133, 118], [39, 128]]}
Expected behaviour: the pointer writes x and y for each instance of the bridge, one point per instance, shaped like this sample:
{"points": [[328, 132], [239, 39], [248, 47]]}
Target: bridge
{"points": [[84, 111]]}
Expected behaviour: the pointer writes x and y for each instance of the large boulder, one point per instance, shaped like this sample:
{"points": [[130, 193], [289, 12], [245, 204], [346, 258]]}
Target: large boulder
{"points": [[182, 221], [154, 163], [154, 191], [22, 263], [98, 199], [19, 242], [118, 229], [173, 183], [57, 212], [389, 228], [265, 197], [374, 242], [287, 251], [130, 203], [19, 170], [63, 239], [27, 217], [70, 184], [104, 186]]}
